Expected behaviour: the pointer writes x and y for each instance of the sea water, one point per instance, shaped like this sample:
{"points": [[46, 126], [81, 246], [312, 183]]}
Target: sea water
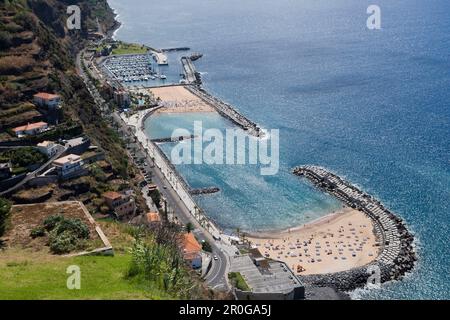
{"points": [[371, 105]]}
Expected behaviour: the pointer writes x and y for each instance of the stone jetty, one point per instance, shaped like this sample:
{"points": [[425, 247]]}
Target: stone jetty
{"points": [[228, 111], [210, 190], [396, 255], [190, 73], [174, 139]]}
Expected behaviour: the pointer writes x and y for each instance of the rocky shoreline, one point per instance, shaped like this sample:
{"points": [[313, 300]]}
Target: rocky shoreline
{"points": [[396, 256]]}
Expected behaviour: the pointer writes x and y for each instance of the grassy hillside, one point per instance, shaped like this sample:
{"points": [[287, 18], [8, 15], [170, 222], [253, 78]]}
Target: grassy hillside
{"points": [[27, 274], [36, 275]]}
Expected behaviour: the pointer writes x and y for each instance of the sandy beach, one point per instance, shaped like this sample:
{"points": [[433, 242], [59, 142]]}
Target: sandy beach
{"points": [[337, 242], [176, 99]]}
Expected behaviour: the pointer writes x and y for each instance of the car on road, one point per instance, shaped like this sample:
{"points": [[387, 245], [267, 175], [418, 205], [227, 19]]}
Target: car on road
{"points": [[216, 258], [164, 187]]}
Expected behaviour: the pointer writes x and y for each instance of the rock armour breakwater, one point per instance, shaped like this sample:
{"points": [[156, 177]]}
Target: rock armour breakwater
{"points": [[227, 111], [396, 256]]}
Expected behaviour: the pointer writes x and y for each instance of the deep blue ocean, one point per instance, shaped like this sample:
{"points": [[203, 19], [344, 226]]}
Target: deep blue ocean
{"points": [[371, 105]]}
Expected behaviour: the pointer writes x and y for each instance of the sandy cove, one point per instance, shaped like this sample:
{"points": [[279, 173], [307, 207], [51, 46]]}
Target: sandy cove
{"points": [[176, 99], [338, 242]]}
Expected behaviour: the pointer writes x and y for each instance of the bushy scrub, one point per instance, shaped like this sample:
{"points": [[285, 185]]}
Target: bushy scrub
{"points": [[154, 263], [65, 235], [51, 222], [37, 232]]}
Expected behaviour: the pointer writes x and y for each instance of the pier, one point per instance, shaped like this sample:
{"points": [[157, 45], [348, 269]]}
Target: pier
{"points": [[174, 139], [175, 49], [160, 58], [396, 256], [228, 111], [190, 74], [201, 191]]}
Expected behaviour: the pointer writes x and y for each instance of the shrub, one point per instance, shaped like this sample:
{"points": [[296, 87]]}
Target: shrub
{"points": [[51, 222], [74, 226], [62, 243], [37, 232], [238, 281], [206, 246], [23, 157], [66, 235]]}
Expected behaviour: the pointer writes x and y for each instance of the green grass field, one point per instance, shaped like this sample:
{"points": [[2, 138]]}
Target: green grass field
{"points": [[30, 275], [101, 278], [129, 48]]}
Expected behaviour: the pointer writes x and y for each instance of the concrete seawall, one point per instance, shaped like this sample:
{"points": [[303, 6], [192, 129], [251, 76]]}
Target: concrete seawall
{"points": [[227, 111], [190, 74], [396, 256]]}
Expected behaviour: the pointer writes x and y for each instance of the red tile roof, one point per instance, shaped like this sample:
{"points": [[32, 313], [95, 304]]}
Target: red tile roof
{"points": [[112, 195], [153, 217], [31, 126], [190, 244], [46, 96]]}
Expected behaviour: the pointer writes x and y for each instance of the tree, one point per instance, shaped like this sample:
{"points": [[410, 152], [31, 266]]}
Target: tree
{"points": [[5, 211], [189, 227]]}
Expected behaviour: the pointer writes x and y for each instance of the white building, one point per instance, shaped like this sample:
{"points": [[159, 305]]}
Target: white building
{"points": [[69, 166], [48, 148]]}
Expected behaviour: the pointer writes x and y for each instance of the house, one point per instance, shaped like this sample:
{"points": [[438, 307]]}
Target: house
{"points": [[31, 129], [191, 250], [69, 166], [153, 218], [121, 204], [48, 148], [43, 99], [5, 170]]}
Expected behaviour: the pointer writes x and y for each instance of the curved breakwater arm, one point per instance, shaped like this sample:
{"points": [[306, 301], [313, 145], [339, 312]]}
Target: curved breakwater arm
{"points": [[396, 255]]}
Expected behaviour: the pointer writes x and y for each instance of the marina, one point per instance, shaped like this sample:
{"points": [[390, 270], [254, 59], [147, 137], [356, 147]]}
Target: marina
{"points": [[130, 68]]}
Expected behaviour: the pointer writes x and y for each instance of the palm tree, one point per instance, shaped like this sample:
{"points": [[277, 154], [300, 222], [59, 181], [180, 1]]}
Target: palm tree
{"points": [[189, 227]]}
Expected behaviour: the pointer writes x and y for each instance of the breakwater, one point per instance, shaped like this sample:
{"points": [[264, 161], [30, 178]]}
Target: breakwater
{"points": [[174, 139], [396, 251], [210, 190], [190, 73], [175, 49], [228, 111]]}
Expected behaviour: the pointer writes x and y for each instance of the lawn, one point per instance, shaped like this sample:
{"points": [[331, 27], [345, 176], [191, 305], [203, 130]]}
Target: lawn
{"points": [[129, 48], [36, 275]]}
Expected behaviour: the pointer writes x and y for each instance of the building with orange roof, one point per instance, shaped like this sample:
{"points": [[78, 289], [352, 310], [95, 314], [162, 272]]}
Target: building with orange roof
{"points": [[121, 204], [31, 129], [153, 218], [192, 250], [43, 99]]}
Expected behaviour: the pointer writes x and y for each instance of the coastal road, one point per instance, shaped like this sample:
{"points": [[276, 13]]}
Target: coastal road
{"points": [[216, 277]]}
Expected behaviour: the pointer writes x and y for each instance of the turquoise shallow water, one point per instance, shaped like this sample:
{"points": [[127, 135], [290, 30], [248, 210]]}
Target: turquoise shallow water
{"points": [[373, 106], [247, 200]]}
